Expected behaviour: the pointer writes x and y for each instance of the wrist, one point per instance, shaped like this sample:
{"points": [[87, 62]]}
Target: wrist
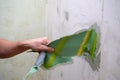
{"points": [[23, 44]]}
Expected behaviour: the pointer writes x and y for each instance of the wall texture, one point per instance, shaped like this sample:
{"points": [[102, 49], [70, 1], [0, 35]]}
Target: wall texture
{"points": [[110, 60], [20, 20], [24, 19], [68, 16]]}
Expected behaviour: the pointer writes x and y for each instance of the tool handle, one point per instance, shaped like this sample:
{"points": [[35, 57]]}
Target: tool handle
{"points": [[40, 59]]}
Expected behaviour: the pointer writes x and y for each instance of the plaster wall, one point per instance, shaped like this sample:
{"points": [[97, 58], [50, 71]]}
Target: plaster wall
{"points": [[21, 20], [68, 16]]}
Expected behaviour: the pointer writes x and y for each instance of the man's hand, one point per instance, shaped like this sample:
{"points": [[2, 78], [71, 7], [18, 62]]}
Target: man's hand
{"points": [[37, 45], [12, 48]]}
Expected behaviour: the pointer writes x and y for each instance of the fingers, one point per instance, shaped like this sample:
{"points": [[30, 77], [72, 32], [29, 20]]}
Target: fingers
{"points": [[44, 41], [42, 48], [39, 44], [46, 48]]}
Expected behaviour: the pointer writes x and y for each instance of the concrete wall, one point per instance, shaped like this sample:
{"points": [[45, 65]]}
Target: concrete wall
{"points": [[20, 20], [24, 19], [111, 51], [67, 16]]}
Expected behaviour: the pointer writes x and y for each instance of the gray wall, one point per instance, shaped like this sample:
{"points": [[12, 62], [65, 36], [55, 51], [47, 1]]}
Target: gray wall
{"points": [[67, 16], [24, 19], [20, 20]]}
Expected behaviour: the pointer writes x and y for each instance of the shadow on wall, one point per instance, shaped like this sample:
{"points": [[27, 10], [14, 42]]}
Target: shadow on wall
{"points": [[96, 64]]}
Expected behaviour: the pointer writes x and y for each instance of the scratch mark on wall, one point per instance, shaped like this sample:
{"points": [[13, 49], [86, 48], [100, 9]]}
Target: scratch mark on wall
{"points": [[61, 74], [102, 10], [58, 7], [58, 11], [66, 15]]}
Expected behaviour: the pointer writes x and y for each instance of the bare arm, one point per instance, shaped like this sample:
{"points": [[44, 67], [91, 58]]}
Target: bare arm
{"points": [[12, 48]]}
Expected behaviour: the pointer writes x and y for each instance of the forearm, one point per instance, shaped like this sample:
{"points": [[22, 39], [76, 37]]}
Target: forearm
{"points": [[10, 48]]}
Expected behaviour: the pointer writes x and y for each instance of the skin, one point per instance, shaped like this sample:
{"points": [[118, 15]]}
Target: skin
{"points": [[12, 48]]}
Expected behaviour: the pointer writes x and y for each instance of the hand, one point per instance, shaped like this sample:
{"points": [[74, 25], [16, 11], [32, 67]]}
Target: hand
{"points": [[39, 44], [12, 48]]}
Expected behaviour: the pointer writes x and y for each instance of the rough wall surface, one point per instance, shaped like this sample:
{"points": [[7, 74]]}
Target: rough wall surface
{"points": [[24, 19], [67, 16], [20, 20]]}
